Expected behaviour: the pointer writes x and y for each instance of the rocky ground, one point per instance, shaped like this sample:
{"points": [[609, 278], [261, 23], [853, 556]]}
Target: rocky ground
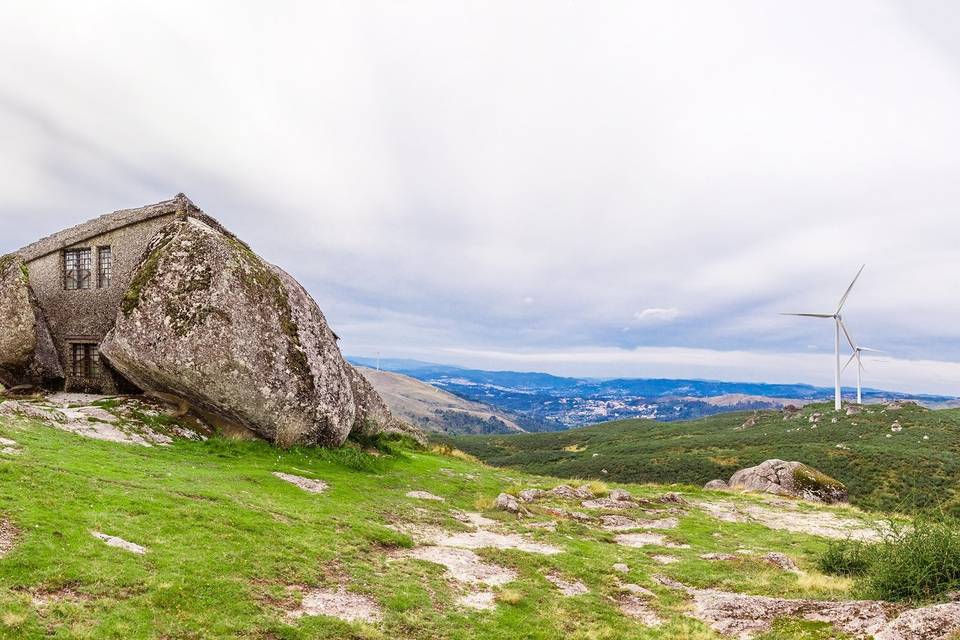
{"points": [[169, 534]]}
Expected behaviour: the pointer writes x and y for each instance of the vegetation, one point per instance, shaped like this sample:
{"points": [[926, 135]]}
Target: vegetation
{"points": [[231, 549], [910, 469], [914, 564]]}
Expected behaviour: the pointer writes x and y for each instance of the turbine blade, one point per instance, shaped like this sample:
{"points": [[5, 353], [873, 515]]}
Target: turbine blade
{"points": [[847, 333], [871, 350], [848, 362], [847, 292], [809, 315]]}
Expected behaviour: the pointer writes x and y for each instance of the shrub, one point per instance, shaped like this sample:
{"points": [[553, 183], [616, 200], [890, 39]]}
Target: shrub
{"points": [[915, 564], [845, 558]]}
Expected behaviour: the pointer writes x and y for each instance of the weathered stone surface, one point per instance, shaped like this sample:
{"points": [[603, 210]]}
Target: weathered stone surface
{"points": [[790, 479], [506, 502], [716, 485], [208, 322], [937, 622], [372, 414], [27, 354]]}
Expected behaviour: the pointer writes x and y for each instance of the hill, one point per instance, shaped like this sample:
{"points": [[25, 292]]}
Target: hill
{"points": [[434, 409], [155, 530], [564, 402], [914, 467]]}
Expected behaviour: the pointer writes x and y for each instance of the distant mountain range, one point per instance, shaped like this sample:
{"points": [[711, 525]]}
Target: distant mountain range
{"points": [[544, 402]]}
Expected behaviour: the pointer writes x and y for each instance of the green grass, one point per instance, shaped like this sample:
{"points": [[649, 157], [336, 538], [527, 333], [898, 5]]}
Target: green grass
{"points": [[226, 542], [903, 472]]}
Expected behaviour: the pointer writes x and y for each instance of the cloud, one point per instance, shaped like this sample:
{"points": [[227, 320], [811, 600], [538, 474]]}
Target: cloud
{"points": [[657, 315], [421, 167]]}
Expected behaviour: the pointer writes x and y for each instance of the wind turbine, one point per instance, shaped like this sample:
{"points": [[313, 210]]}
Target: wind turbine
{"points": [[856, 356], [836, 341]]}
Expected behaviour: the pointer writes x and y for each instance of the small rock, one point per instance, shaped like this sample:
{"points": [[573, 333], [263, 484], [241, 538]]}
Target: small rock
{"points": [[781, 560], [716, 485], [672, 498], [532, 495], [619, 567], [506, 502], [307, 484], [638, 590], [606, 503], [568, 589], [119, 543], [620, 495]]}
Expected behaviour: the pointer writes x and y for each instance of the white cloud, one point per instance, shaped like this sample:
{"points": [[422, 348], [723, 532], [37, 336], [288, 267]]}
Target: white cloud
{"points": [[657, 315]]}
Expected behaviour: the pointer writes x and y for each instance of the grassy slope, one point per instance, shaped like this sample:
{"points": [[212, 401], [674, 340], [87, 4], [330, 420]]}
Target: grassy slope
{"points": [[225, 538], [900, 472]]}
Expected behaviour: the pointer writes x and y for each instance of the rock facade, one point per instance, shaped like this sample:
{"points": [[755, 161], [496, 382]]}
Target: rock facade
{"points": [[793, 479], [209, 322], [27, 353]]}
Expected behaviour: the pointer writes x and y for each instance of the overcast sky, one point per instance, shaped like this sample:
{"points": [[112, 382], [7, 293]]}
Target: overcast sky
{"points": [[593, 188]]}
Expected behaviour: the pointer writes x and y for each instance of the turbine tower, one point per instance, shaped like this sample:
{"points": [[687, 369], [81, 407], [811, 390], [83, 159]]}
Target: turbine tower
{"points": [[856, 356], [836, 337]]}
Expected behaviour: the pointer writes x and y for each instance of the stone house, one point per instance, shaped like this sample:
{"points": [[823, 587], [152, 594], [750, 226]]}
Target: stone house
{"points": [[79, 277]]}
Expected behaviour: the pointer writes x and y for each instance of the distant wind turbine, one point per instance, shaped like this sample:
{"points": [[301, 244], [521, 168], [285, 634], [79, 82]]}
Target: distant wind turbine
{"points": [[836, 342], [856, 356]]}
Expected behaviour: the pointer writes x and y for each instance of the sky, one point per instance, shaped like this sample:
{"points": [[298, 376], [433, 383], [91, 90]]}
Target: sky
{"points": [[586, 188]]}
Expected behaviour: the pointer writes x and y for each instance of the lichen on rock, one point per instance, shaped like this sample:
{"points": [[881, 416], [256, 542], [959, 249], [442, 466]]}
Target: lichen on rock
{"points": [[27, 353]]}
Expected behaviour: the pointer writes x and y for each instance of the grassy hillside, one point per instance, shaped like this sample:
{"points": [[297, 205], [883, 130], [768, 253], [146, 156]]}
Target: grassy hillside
{"points": [[233, 551], [913, 468]]}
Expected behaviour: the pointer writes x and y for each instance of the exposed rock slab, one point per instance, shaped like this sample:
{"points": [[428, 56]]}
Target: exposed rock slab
{"points": [[349, 607], [640, 540], [567, 588], [818, 523], [479, 600], [119, 543], [937, 622], [424, 495], [309, 485], [464, 565], [636, 607]]}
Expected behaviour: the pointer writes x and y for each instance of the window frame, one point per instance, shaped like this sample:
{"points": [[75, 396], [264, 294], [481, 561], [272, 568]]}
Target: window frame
{"points": [[80, 256], [104, 275], [85, 360]]}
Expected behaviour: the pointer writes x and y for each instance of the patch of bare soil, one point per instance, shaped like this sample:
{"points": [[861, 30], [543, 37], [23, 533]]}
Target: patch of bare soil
{"points": [[488, 539], [119, 543], [9, 535], [350, 607], [480, 600], [464, 565], [307, 484], [9, 447], [647, 540], [664, 559], [636, 607], [424, 495], [826, 524], [568, 588], [45, 597]]}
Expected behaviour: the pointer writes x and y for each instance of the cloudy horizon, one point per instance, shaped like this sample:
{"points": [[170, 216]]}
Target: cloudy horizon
{"points": [[597, 189]]}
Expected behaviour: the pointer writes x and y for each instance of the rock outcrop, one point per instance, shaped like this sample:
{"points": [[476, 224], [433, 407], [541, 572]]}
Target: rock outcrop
{"points": [[27, 354], [793, 479], [208, 323], [716, 485]]}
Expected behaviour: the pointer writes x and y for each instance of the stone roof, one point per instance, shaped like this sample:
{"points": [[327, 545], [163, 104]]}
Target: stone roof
{"points": [[108, 222]]}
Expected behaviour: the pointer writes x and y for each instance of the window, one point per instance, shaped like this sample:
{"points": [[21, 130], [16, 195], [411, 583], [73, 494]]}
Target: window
{"points": [[86, 360], [76, 268], [104, 267]]}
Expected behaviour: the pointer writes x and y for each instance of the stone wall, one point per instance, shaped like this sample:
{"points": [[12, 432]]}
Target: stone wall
{"points": [[87, 315]]}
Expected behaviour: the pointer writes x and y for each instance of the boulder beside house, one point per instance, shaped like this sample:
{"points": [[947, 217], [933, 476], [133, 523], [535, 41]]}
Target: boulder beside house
{"points": [[163, 300]]}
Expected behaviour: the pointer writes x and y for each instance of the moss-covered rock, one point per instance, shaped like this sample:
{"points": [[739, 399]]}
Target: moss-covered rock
{"points": [[790, 479], [208, 322], [27, 354]]}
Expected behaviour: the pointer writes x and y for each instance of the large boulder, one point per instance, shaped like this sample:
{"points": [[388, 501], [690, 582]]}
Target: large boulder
{"points": [[210, 324], [27, 353], [793, 479]]}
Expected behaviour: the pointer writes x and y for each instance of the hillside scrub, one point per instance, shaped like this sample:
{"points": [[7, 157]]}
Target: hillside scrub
{"points": [[915, 564], [910, 470]]}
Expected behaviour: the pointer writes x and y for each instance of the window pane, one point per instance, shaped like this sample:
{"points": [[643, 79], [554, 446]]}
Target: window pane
{"points": [[105, 262], [77, 264]]}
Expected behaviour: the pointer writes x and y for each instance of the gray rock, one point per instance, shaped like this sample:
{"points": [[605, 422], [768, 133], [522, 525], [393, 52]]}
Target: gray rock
{"points": [[781, 560], [716, 485], [793, 479], [506, 502], [532, 495], [620, 495], [27, 353], [208, 322], [372, 415], [936, 622]]}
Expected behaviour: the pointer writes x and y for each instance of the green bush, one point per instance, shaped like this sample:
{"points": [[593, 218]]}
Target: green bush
{"points": [[845, 558], [919, 563], [915, 564]]}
